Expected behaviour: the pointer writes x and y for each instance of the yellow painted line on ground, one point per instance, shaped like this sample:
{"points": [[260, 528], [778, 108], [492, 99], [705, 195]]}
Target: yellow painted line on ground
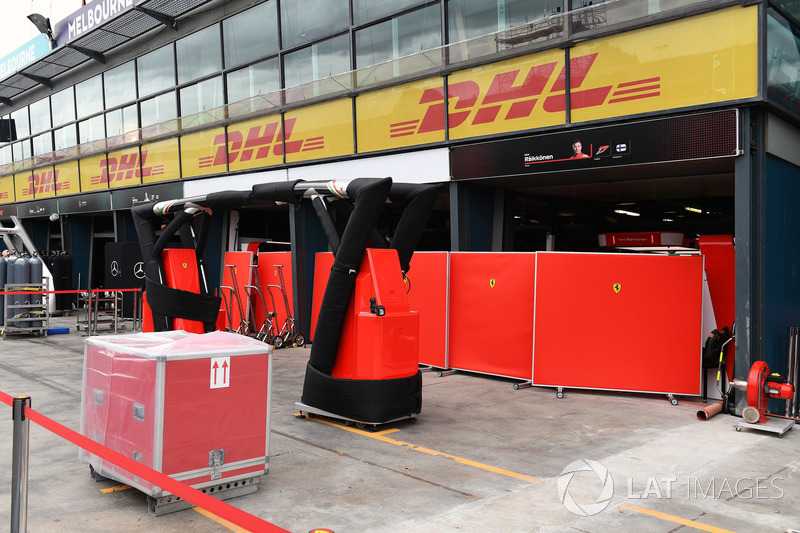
{"points": [[115, 489], [381, 436], [670, 518], [221, 521]]}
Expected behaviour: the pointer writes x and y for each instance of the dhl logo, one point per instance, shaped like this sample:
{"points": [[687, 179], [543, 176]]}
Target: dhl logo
{"points": [[523, 97], [257, 145], [125, 168], [44, 182], [3, 196]]}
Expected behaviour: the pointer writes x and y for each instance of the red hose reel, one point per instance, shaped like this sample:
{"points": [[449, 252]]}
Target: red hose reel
{"points": [[760, 387]]}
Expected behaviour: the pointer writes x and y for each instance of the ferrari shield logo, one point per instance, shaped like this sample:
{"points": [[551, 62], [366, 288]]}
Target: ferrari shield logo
{"points": [[492, 283], [617, 288]]}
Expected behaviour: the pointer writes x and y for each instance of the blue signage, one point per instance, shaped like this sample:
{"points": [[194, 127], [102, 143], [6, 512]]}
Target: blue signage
{"points": [[23, 56]]}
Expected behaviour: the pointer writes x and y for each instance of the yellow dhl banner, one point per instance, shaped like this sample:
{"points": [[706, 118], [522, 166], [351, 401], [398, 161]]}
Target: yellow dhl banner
{"points": [[160, 161], [254, 143], [7, 189], [41, 183], [320, 131], [123, 168], [397, 117], [23, 189], [700, 60], [67, 178], [93, 173], [197, 153]]}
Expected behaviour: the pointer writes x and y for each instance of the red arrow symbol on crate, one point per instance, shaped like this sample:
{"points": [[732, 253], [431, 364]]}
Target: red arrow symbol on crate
{"points": [[225, 371], [215, 367]]}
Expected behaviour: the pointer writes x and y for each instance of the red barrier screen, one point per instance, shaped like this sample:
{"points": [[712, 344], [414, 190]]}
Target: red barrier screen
{"points": [[619, 322], [322, 271], [180, 270], [270, 286], [491, 312], [426, 288]]}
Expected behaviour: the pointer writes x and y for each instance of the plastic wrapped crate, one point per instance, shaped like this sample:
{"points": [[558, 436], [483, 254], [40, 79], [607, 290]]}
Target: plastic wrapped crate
{"points": [[192, 406]]}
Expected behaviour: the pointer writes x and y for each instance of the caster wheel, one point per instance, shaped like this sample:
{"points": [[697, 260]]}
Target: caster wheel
{"points": [[673, 401], [559, 395], [737, 428], [516, 386], [439, 374], [360, 425]]}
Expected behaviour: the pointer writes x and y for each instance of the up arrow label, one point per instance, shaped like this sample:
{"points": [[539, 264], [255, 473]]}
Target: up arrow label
{"points": [[220, 377]]}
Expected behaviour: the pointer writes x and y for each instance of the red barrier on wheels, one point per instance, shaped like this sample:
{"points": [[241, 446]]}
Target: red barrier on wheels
{"points": [[268, 275], [721, 273], [491, 313], [628, 322], [322, 271], [426, 287]]}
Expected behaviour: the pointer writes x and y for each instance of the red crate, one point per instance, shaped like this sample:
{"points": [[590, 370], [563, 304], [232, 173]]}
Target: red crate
{"points": [[194, 407]]}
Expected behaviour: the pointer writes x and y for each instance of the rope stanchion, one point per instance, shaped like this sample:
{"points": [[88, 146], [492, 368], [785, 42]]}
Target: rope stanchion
{"points": [[216, 507]]}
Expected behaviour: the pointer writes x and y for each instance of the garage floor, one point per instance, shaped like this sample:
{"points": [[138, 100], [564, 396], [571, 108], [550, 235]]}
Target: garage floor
{"points": [[480, 457]]}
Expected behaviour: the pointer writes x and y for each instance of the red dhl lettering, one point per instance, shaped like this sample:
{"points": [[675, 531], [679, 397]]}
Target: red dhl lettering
{"points": [[44, 182], [258, 143], [3, 195], [126, 167], [520, 100]]}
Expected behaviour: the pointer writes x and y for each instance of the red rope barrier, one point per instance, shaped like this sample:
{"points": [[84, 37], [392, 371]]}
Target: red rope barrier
{"points": [[216, 507]]}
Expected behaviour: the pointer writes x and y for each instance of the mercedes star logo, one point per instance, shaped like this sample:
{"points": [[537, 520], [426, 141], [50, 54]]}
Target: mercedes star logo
{"points": [[138, 270], [115, 269]]}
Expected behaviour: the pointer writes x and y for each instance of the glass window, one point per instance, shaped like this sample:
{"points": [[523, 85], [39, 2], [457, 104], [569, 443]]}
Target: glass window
{"points": [[783, 62], [120, 85], [251, 35], [156, 71], [21, 150], [303, 21], [261, 78], [65, 137], [367, 10], [92, 129], [89, 95], [469, 19], [158, 110], [42, 144], [40, 115], [20, 119], [121, 121], [402, 36], [199, 54], [317, 61], [5, 155], [63, 106], [204, 96]]}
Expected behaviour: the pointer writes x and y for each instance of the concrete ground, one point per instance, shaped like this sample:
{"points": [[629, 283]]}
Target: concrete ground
{"points": [[480, 457]]}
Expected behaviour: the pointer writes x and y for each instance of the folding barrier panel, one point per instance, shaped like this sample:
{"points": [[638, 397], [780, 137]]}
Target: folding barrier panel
{"points": [[427, 287], [630, 322], [491, 313], [270, 279], [235, 275], [322, 270], [720, 259]]}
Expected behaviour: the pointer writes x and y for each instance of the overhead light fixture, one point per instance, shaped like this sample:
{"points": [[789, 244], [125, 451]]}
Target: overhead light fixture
{"points": [[624, 212], [694, 210], [667, 220], [42, 24]]}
